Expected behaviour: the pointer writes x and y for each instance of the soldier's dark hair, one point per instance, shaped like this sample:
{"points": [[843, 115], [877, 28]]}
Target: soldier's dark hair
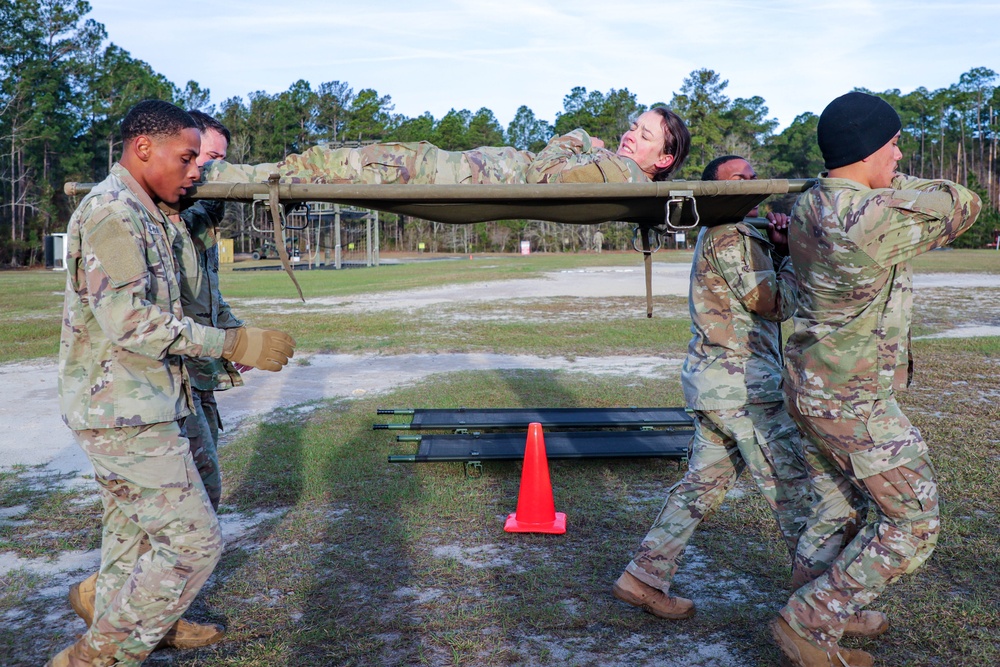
{"points": [[155, 118], [711, 172], [676, 141], [206, 122]]}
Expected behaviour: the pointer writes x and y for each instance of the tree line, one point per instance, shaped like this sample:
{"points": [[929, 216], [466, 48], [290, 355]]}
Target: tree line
{"points": [[64, 87]]}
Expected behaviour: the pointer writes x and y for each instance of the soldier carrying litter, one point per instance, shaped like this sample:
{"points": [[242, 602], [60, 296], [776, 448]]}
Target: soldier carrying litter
{"points": [[851, 240], [742, 288], [123, 389]]}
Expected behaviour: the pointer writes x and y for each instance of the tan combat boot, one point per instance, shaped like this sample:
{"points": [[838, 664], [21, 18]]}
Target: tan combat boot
{"points": [[630, 590], [800, 653], [79, 654], [866, 624], [184, 634], [81, 598]]}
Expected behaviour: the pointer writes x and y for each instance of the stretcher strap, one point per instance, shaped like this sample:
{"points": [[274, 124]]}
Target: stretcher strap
{"points": [[279, 234], [647, 260]]}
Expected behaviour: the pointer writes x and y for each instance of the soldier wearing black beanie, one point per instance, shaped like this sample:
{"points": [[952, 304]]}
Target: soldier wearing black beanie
{"points": [[854, 126], [852, 239]]}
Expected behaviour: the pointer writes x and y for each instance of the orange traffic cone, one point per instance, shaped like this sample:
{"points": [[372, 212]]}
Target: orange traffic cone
{"points": [[536, 511]]}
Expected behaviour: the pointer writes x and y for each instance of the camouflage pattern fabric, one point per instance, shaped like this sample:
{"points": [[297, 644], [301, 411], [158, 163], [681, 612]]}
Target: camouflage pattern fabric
{"points": [[123, 330], [760, 436], [873, 453], [573, 158], [570, 158], [732, 379], [851, 247], [196, 250], [122, 389], [149, 487], [201, 428], [738, 298]]}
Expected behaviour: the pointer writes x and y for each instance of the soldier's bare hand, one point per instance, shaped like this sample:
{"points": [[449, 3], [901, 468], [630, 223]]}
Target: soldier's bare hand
{"points": [[777, 230]]}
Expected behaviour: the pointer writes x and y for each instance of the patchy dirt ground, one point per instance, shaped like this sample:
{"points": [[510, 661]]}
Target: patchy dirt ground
{"points": [[959, 304]]}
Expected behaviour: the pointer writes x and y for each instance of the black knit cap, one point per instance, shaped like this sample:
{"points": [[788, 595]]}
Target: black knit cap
{"points": [[854, 126]]}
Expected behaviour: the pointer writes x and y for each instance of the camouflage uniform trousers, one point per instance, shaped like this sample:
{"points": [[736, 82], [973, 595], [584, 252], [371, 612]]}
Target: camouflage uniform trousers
{"points": [[149, 488], [867, 452], [201, 428], [419, 163], [760, 436]]}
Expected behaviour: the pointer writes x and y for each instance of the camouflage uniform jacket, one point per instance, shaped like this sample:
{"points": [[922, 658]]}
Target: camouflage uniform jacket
{"points": [[851, 247], [123, 329], [196, 250], [737, 300], [571, 158]]}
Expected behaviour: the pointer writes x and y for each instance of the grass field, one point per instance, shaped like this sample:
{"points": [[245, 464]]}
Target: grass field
{"points": [[350, 560]]}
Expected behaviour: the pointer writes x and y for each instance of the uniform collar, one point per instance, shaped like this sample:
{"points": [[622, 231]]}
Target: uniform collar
{"points": [[133, 185], [827, 182]]}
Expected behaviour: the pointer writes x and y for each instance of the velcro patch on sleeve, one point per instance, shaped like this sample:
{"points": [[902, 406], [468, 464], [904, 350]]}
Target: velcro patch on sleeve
{"points": [[111, 241]]}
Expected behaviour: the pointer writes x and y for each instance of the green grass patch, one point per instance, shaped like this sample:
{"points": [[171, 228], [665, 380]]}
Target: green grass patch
{"points": [[54, 519], [951, 260], [32, 303]]}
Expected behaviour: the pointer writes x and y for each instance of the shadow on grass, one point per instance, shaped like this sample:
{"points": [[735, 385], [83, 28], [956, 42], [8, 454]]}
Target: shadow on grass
{"points": [[365, 562]]}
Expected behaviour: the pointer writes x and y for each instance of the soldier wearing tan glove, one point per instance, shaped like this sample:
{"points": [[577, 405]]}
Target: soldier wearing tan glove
{"points": [[266, 349]]}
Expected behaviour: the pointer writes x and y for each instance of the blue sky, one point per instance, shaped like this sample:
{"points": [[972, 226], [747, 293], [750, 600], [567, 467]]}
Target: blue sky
{"points": [[435, 56]]}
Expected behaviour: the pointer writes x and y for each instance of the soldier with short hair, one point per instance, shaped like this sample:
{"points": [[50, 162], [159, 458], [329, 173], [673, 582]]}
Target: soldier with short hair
{"points": [[196, 250], [123, 389], [852, 237], [654, 147], [196, 256], [742, 288]]}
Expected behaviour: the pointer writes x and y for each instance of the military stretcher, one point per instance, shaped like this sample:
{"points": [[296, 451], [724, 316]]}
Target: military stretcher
{"points": [[570, 433], [656, 208]]}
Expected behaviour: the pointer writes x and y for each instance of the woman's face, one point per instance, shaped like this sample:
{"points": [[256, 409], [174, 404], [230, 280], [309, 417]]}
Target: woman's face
{"points": [[643, 144]]}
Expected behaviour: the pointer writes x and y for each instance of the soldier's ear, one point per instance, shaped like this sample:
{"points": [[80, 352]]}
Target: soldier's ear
{"points": [[142, 147], [665, 161]]}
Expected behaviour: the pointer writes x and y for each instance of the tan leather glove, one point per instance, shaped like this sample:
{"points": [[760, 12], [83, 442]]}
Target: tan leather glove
{"points": [[266, 349]]}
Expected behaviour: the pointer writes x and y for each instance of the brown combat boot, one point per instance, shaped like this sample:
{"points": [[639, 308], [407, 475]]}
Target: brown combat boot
{"points": [[81, 598], [630, 590], [851, 657], [79, 654], [184, 634], [866, 624], [800, 653]]}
